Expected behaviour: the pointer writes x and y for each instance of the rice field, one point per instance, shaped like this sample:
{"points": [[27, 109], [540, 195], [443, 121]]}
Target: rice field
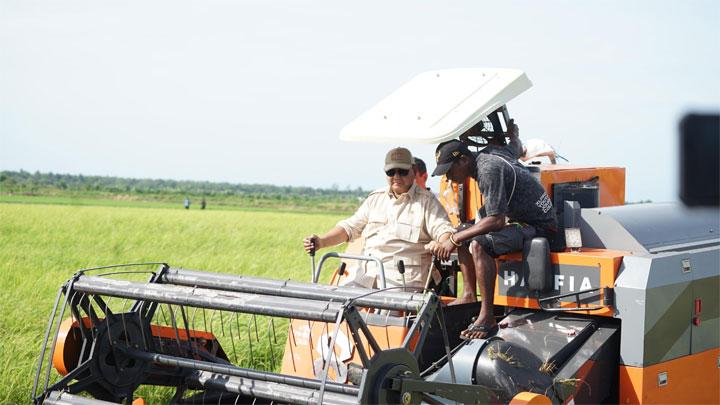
{"points": [[42, 245]]}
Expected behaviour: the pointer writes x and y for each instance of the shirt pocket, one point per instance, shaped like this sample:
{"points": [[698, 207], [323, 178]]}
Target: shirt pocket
{"points": [[409, 225], [375, 223], [407, 231]]}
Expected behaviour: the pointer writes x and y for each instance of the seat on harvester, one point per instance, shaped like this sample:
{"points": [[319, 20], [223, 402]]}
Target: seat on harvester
{"points": [[538, 267]]}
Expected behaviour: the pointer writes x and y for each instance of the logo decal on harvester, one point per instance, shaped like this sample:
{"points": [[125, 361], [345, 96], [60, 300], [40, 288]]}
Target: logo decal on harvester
{"points": [[512, 280], [560, 282]]}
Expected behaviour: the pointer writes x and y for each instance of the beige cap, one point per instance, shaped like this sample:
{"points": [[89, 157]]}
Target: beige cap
{"points": [[398, 158]]}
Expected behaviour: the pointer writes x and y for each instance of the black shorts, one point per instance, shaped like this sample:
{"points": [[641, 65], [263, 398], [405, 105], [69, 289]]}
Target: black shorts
{"points": [[507, 240]]}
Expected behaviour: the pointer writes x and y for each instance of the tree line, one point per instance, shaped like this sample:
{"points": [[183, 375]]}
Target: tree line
{"points": [[38, 183]]}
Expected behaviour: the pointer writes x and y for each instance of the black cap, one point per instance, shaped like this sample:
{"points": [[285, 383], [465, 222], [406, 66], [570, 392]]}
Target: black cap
{"points": [[447, 153]]}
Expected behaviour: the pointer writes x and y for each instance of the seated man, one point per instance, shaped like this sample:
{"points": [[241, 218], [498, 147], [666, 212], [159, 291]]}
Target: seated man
{"points": [[516, 207], [397, 222]]}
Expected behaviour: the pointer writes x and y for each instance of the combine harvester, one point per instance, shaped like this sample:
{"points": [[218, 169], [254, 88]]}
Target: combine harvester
{"points": [[627, 314]]}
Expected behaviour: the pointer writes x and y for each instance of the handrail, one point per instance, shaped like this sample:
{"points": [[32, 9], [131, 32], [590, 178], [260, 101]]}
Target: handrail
{"points": [[316, 275]]}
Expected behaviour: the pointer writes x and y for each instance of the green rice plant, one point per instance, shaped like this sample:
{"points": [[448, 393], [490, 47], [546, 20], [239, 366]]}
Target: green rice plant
{"points": [[42, 245]]}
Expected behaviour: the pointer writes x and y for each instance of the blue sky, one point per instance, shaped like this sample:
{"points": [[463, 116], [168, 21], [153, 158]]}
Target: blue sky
{"points": [[257, 91]]}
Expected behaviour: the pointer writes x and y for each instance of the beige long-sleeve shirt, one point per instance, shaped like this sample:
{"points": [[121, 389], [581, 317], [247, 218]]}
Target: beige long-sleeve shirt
{"points": [[397, 228]]}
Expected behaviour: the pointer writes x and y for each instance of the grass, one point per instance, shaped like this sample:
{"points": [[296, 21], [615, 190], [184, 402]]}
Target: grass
{"points": [[43, 242], [173, 202]]}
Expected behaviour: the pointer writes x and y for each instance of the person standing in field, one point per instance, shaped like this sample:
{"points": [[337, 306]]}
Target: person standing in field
{"points": [[186, 203], [203, 204], [396, 222]]}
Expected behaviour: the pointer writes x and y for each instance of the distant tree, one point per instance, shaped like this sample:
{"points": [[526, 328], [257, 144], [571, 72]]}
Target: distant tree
{"points": [[39, 183]]}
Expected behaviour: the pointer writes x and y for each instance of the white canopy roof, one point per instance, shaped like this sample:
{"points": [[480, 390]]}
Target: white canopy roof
{"points": [[437, 106]]}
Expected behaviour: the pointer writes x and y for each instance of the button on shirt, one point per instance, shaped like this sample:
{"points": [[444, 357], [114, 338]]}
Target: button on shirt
{"points": [[397, 228]]}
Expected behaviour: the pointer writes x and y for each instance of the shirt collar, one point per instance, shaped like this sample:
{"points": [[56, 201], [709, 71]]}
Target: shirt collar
{"points": [[410, 193]]}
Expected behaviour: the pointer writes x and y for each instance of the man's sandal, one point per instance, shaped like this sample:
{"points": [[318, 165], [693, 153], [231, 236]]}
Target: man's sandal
{"points": [[487, 330]]}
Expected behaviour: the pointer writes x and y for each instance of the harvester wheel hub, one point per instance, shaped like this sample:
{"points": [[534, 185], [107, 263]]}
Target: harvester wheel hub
{"points": [[385, 366], [119, 371]]}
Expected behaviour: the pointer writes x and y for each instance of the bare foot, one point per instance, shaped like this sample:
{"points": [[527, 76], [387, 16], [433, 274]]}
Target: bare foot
{"points": [[463, 300]]}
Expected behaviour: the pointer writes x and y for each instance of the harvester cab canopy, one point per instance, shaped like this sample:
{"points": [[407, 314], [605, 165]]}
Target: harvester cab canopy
{"points": [[441, 105]]}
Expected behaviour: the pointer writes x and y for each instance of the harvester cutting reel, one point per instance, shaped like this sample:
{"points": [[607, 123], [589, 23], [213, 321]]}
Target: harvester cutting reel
{"points": [[199, 334]]}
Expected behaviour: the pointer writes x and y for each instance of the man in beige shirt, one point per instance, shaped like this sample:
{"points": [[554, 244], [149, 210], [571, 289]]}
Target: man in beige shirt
{"points": [[396, 223]]}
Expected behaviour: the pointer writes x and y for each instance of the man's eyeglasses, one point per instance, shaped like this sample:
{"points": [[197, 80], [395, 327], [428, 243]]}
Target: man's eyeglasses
{"points": [[401, 172]]}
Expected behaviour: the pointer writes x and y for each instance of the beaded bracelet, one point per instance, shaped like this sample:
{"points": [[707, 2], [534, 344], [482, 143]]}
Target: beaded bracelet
{"points": [[452, 240]]}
